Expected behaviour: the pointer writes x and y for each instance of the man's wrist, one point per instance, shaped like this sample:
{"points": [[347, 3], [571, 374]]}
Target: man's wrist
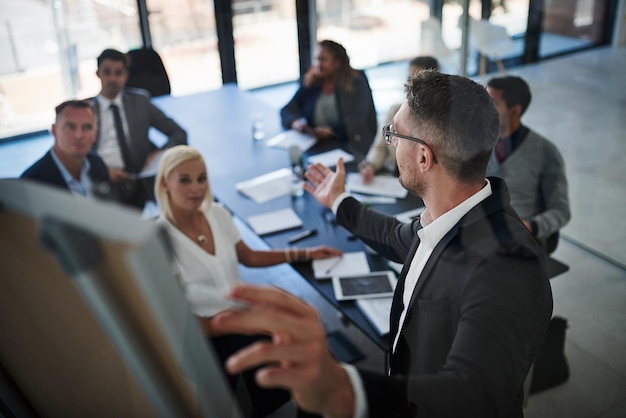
{"points": [[335, 206]]}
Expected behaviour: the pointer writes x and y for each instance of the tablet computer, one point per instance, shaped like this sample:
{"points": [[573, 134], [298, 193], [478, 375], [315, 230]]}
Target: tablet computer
{"points": [[371, 285]]}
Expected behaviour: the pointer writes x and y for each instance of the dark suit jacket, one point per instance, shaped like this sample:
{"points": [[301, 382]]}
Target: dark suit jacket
{"points": [[46, 171], [141, 115], [356, 113], [476, 319]]}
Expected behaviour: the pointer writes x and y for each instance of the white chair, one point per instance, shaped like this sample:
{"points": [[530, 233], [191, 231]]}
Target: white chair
{"points": [[491, 41], [432, 44]]}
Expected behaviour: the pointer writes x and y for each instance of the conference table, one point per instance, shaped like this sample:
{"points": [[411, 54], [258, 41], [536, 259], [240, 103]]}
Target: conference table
{"points": [[219, 124]]}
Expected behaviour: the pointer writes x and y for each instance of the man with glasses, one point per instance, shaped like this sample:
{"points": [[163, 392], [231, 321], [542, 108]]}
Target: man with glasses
{"points": [[472, 302]]}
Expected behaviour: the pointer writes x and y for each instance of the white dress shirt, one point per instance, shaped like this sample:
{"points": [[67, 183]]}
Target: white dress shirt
{"points": [[108, 146], [81, 186]]}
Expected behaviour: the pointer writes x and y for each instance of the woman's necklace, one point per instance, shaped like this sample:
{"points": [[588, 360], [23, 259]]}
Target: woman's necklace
{"points": [[202, 239]]}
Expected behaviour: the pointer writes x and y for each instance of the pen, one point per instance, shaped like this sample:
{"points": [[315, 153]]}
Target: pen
{"points": [[302, 235], [332, 266]]}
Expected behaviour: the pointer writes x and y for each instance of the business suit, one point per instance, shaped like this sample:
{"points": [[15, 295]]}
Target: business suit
{"points": [[476, 319], [141, 115], [46, 170]]}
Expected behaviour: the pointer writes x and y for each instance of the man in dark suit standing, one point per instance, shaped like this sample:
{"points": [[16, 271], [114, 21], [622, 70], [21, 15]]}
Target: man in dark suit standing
{"points": [[472, 302], [125, 117], [70, 164]]}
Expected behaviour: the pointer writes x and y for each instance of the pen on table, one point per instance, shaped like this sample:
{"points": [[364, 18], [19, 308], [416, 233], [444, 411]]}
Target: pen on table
{"points": [[302, 235], [332, 266]]}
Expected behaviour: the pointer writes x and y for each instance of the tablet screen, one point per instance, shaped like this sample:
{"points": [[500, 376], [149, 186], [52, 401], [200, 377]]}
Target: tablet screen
{"points": [[375, 284]]}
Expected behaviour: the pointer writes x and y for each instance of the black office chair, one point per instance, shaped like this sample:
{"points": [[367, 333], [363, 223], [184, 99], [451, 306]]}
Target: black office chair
{"points": [[147, 72]]}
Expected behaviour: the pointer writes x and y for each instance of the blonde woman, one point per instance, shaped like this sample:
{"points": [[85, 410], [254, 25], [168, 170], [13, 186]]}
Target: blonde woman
{"points": [[208, 248], [206, 241]]}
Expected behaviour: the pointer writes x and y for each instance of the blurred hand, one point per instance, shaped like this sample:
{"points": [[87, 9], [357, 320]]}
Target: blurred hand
{"points": [[324, 132], [324, 184], [297, 358], [323, 251], [300, 125], [367, 173]]}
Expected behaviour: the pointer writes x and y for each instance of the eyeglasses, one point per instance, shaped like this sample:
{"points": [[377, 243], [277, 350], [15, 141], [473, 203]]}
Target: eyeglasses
{"points": [[388, 134]]}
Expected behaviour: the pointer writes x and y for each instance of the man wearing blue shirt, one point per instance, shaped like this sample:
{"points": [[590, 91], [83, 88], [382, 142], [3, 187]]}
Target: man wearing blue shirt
{"points": [[70, 164]]}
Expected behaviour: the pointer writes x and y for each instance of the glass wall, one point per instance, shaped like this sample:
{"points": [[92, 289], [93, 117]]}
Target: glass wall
{"points": [[373, 31], [49, 47], [48, 54], [266, 42], [572, 24], [184, 34]]}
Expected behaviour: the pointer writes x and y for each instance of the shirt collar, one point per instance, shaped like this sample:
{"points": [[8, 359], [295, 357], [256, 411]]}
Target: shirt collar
{"points": [[105, 103], [80, 186], [432, 233], [512, 141]]}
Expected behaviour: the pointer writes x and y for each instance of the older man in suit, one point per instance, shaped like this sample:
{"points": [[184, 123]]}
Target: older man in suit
{"points": [[126, 115], [473, 300], [70, 164]]}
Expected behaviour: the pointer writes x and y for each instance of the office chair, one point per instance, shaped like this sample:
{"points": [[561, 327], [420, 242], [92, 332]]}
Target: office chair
{"points": [[147, 72], [432, 43], [491, 41]]}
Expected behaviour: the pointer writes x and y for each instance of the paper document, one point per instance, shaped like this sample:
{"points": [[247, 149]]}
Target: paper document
{"points": [[377, 312], [268, 186], [274, 221], [380, 186], [329, 158], [291, 137], [374, 200], [347, 265], [397, 267]]}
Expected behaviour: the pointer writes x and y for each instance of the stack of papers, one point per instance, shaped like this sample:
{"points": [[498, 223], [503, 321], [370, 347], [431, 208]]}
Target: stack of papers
{"points": [[275, 221], [381, 186], [292, 137], [377, 312], [348, 264], [329, 158], [268, 186]]}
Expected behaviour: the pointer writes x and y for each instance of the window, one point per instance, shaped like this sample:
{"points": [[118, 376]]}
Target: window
{"points": [[49, 52]]}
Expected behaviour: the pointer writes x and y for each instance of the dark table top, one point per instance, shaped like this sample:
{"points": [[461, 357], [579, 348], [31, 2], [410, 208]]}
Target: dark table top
{"points": [[219, 125]]}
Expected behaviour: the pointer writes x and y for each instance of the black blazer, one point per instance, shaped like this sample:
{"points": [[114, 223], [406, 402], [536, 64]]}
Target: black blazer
{"points": [[357, 127], [46, 171], [476, 319]]}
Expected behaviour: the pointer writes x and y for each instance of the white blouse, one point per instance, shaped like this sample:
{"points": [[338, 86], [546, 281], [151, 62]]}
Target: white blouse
{"points": [[221, 270]]}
